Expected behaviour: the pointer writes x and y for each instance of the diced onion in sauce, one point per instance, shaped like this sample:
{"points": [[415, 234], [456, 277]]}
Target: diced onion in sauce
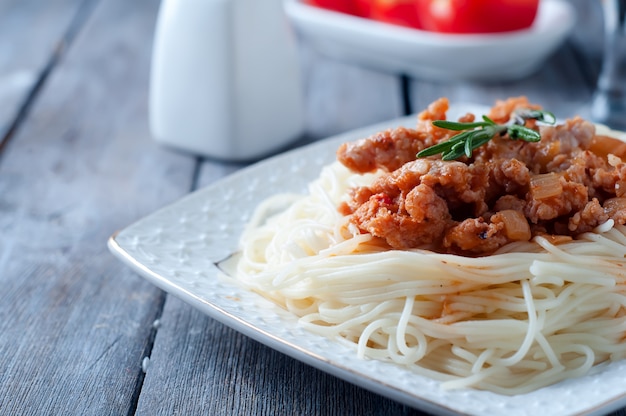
{"points": [[547, 153], [605, 145], [545, 185], [515, 225]]}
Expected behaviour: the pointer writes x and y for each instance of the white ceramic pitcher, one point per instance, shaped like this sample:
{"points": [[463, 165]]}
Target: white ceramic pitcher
{"points": [[225, 78]]}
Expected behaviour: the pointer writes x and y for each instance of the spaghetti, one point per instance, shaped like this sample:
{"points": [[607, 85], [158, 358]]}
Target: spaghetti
{"points": [[529, 315]]}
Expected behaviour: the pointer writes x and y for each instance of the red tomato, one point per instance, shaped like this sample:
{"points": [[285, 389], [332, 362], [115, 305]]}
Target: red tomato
{"points": [[399, 12], [362, 8], [343, 6], [476, 16]]}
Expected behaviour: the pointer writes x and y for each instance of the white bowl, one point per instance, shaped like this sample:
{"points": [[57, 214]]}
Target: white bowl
{"points": [[435, 56]]}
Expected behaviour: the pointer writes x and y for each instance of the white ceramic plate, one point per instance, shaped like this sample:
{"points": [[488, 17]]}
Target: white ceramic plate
{"points": [[177, 247], [431, 55]]}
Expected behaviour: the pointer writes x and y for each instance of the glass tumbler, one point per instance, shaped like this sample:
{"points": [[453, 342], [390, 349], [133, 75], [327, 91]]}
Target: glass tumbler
{"points": [[609, 101]]}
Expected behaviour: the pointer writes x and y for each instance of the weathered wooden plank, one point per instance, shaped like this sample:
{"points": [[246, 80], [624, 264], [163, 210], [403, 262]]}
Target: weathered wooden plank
{"points": [[199, 366], [30, 33], [74, 322]]}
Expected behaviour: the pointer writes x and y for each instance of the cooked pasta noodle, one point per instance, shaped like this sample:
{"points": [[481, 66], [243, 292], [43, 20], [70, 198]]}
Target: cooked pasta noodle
{"points": [[529, 315]]}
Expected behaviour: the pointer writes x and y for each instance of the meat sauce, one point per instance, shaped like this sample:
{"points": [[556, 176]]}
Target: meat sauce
{"points": [[566, 184]]}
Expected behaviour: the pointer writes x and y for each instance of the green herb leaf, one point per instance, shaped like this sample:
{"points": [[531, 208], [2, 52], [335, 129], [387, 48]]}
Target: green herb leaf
{"points": [[540, 115], [516, 131], [520, 116], [489, 121], [475, 134], [454, 125], [455, 152], [468, 146], [444, 147]]}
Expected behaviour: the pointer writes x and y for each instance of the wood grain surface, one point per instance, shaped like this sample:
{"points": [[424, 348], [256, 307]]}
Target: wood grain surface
{"points": [[33, 35], [82, 334], [75, 324]]}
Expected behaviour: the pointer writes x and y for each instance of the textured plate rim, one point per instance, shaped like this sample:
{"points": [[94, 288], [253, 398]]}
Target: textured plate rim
{"points": [[319, 361]]}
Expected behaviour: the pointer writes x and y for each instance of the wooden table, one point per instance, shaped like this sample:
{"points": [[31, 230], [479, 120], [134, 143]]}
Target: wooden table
{"points": [[80, 333]]}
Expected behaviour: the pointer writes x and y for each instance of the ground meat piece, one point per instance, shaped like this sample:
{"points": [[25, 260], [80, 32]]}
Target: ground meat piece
{"points": [[575, 133], [459, 184], [605, 179], [573, 198], [435, 111], [501, 112], [509, 190], [588, 218], [582, 132], [405, 178], [475, 235], [356, 198], [610, 178], [577, 172], [390, 149], [500, 148], [422, 220], [387, 150], [616, 209], [510, 202], [559, 145], [508, 176]]}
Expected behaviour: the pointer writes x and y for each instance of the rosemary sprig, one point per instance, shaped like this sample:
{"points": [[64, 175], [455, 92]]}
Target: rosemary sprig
{"points": [[478, 133]]}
